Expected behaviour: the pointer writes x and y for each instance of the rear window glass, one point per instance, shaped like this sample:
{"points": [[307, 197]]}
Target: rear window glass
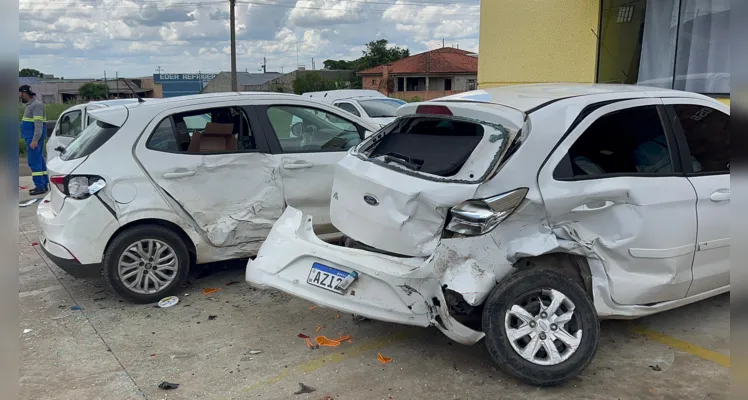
{"points": [[381, 107], [93, 137], [432, 145]]}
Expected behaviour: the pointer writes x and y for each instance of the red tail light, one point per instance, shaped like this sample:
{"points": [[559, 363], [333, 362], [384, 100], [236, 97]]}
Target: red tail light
{"points": [[433, 109], [58, 181]]}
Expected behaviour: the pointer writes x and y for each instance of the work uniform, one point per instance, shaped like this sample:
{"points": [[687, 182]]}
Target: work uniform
{"points": [[34, 127]]}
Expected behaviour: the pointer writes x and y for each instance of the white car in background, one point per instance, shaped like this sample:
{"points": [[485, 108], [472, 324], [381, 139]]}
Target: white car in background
{"points": [[522, 215], [147, 189], [370, 105], [73, 121]]}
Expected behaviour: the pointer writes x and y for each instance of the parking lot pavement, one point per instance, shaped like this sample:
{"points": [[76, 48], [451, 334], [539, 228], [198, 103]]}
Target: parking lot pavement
{"points": [[115, 350]]}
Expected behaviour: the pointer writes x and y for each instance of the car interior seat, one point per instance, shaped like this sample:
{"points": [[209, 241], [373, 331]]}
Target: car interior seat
{"points": [[215, 137]]}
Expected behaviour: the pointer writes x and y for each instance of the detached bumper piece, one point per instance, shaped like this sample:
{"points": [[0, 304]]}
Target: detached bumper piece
{"points": [[373, 285]]}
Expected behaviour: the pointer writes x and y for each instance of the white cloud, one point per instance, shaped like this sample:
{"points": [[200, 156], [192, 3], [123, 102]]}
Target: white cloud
{"points": [[83, 38]]}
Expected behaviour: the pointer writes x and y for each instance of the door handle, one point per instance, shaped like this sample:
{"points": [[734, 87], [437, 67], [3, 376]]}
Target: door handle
{"points": [[301, 165], [178, 174], [594, 206], [720, 195]]}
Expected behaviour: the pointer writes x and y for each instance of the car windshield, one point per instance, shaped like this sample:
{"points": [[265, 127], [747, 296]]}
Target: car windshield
{"points": [[380, 108], [95, 135]]}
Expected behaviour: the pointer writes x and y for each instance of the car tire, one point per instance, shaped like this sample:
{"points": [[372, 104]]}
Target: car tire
{"points": [[172, 272], [528, 290]]}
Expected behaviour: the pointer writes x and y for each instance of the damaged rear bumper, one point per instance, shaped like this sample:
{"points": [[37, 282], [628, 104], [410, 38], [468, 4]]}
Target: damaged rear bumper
{"points": [[393, 289]]}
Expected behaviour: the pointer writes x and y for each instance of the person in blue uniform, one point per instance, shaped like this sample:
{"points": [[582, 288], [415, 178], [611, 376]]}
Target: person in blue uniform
{"points": [[33, 132]]}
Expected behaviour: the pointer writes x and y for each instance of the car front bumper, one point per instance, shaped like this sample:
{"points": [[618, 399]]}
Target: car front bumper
{"points": [[394, 289], [75, 238]]}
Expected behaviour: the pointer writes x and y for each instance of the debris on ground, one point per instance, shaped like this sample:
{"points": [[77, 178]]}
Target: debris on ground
{"points": [[212, 317], [303, 336], [318, 328], [382, 359], [253, 352], [232, 283], [312, 307], [28, 202], [358, 318], [337, 315], [35, 243], [655, 368], [324, 341], [168, 301], [305, 389], [79, 308], [168, 386], [99, 299], [210, 290], [27, 330]]}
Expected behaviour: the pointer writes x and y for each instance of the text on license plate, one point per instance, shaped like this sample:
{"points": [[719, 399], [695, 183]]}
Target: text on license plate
{"points": [[326, 277]]}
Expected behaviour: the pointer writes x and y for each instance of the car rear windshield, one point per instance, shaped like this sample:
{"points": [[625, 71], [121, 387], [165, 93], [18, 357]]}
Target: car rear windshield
{"points": [[380, 108], [93, 137], [432, 145]]}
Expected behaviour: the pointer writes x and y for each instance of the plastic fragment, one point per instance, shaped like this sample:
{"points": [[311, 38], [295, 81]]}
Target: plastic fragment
{"points": [[312, 307], [27, 330], [76, 308], [318, 328], [210, 290], [212, 317], [382, 359], [303, 336], [168, 301], [253, 352], [304, 389], [168, 386]]}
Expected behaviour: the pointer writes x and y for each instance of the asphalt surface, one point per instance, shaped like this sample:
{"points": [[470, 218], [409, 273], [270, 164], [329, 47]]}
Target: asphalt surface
{"points": [[208, 344]]}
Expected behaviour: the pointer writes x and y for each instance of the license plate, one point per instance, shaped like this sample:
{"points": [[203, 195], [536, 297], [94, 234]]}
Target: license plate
{"points": [[326, 277]]}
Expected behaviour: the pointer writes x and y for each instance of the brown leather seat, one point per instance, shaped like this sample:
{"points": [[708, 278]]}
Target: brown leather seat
{"points": [[215, 137]]}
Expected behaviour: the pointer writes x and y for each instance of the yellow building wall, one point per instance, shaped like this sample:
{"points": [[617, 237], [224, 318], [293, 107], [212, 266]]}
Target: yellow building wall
{"points": [[533, 41]]}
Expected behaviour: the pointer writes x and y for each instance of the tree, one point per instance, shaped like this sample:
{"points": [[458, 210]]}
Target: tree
{"points": [[312, 82], [93, 91], [376, 53], [28, 72]]}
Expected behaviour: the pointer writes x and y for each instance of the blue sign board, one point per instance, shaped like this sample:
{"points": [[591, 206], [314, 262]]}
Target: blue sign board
{"points": [[174, 85]]}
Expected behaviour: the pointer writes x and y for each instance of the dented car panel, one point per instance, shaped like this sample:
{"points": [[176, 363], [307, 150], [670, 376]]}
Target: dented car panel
{"points": [[634, 236]]}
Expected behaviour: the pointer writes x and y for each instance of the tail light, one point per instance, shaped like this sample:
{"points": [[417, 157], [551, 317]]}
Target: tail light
{"points": [[480, 216], [433, 110], [78, 186]]}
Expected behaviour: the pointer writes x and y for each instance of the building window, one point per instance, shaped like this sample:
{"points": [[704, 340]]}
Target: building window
{"points": [[471, 84], [447, 84], [674, 44]]}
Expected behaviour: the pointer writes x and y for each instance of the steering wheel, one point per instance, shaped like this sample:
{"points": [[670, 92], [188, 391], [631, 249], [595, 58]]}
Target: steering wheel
{"points": [[308, 136]]}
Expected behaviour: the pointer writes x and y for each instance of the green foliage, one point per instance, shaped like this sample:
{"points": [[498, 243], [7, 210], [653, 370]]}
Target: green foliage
{"points": [[29, 72], [312, 82], [414, 99], [376, 53], [93, 91]]}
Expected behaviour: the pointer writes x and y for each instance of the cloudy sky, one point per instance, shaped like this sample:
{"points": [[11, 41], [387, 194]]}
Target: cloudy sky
{"points": [[84, 38]]}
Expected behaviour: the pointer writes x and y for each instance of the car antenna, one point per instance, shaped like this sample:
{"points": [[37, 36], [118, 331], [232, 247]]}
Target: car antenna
{"points": [[140, 99]]}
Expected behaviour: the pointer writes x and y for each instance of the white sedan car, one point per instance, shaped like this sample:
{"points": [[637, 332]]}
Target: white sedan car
{"points": [[149, 188], [522, 215]]}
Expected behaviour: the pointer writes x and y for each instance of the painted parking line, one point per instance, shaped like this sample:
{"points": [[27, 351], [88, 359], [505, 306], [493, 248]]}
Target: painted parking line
{"points": [[336, 358], [683, 346]]}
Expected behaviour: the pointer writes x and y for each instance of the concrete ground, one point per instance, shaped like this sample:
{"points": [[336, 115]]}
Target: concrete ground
{"points": [[115, 350]]}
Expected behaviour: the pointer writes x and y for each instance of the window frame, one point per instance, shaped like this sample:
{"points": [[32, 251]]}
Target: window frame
{"points": [[272, 138], [562, 172], [680, 135], [252, 123]]}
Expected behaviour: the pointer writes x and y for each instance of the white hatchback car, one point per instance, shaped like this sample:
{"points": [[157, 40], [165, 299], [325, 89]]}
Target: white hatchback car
{"points": [[522, 215], [147, 189]]}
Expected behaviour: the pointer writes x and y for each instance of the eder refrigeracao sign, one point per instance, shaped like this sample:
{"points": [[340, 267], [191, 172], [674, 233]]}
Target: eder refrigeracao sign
{"points": [[182, 84]]}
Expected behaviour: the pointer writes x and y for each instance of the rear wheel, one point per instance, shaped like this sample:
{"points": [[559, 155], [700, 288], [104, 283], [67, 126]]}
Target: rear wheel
{"points": [[146, 263], [541, 327]]}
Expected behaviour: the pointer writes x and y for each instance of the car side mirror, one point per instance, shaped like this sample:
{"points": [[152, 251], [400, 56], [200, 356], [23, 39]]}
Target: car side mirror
{"points": [[297, 129]]}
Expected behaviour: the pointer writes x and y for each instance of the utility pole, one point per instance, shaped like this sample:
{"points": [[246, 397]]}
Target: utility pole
{"points": [[116, 77], [107, 86], [264, 65], [232, 4], [158, 69], [312, 64], [442, 42]]}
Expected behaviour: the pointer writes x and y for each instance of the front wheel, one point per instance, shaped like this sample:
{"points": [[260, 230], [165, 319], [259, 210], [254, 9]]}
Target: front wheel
{"points": [[146, 263], [541, 327]]}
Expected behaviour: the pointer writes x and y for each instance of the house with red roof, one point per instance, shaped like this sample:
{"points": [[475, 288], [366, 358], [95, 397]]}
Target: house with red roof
{"points": [[428, 75]]}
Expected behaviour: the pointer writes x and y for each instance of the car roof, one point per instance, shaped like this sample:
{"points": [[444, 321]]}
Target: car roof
{"points": [[197, 98], [529, 97]]}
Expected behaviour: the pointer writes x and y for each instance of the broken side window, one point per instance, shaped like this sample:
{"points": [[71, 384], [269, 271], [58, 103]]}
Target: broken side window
{"points": [[222, 129], [433, 145], [628, 142], [304, 129]]}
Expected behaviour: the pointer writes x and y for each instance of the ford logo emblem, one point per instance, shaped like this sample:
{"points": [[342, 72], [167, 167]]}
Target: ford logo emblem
{"points": [[371, 200]]}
